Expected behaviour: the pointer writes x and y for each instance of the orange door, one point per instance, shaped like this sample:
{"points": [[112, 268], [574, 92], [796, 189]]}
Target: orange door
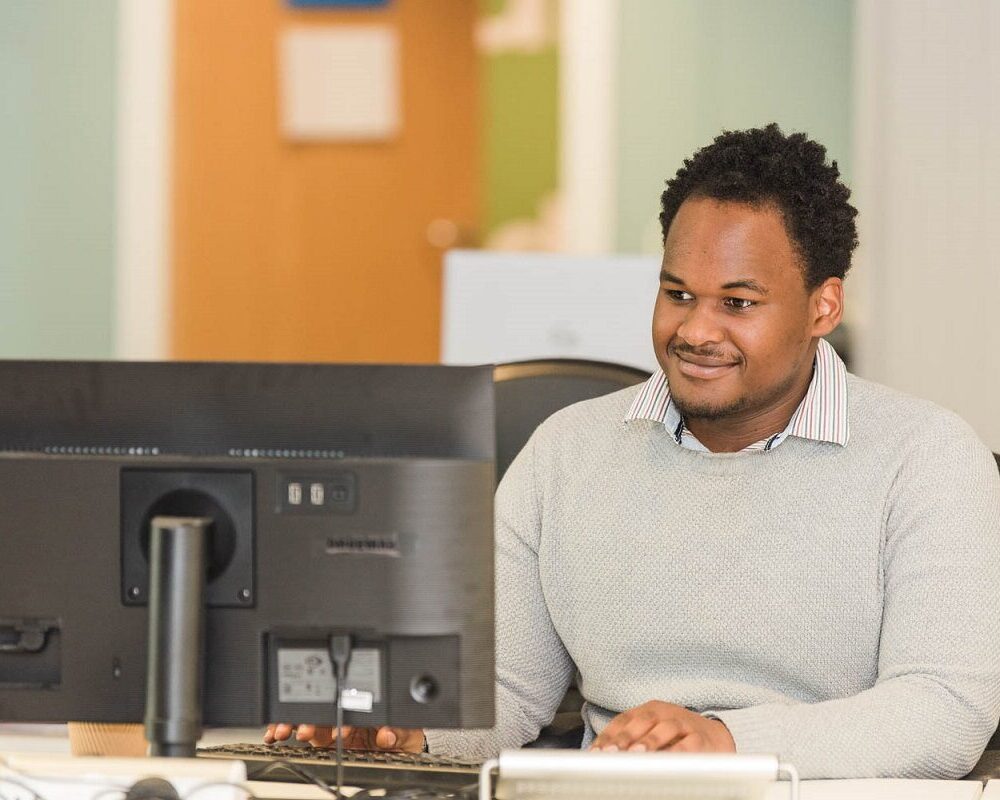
{"points": [[315, 251]]}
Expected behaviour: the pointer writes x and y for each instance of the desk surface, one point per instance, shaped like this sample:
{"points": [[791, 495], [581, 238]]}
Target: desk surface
{"points": [[53, 739], [883, 790], [15, 737], [811, 790]]}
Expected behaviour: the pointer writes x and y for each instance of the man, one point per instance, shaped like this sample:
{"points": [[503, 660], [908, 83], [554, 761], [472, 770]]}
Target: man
{"points": [[754, 551]]}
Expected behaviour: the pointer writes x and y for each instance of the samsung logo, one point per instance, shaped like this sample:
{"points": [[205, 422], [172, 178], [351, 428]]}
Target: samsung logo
{"points": [[375, 544]]}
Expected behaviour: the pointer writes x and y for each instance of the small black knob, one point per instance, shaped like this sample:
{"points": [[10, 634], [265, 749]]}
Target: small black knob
{"points": [[423, 688], [152, 789]]}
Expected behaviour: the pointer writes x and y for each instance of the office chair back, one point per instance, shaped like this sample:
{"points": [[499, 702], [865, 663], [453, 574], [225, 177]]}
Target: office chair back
{"points": [[994, 743], [527, 392], [988, 767]]}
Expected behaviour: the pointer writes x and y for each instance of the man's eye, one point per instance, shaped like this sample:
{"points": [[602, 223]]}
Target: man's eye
{"points": [[739, 303], [677, 295]]}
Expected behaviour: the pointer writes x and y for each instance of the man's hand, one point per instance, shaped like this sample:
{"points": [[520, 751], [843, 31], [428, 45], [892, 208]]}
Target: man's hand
{"points": [[663, 726], [408, 740]]}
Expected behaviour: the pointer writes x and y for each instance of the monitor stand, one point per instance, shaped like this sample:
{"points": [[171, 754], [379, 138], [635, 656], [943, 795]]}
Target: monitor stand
{"points": [[178, 567]]}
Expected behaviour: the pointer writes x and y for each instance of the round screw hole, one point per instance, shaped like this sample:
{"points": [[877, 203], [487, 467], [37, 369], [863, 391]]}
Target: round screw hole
{"points": [[423, 688]]}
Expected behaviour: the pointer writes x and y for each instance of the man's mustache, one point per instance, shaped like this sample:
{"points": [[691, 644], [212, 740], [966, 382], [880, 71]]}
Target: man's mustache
{"points": [[679, 348]]}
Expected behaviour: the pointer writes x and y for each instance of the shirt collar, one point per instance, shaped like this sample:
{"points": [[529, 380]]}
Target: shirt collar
{"points": [[821, 416]]}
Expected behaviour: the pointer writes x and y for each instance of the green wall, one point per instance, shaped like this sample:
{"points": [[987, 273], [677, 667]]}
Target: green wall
{"points": [[521, 134], [57, 121], [692, 68], [520, 130]]}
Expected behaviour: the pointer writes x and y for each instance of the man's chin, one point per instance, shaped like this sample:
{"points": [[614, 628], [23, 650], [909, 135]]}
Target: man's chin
{"points": [[704, 400], [708, 409]]}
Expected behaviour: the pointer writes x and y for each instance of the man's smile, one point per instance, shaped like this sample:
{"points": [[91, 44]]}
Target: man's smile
{"points": [[703, 367]]}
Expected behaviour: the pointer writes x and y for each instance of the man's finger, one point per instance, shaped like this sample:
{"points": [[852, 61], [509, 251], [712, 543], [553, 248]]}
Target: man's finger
{"points": [[659, 737], [269, 734], [611, 730], [322, 736], [305, 733], [325, 736], [282, 731], [387, 738], [635, 727], [692, 743]]}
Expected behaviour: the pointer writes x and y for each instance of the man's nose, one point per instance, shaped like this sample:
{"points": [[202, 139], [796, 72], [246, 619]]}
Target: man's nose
{"points": [[700, 326]]}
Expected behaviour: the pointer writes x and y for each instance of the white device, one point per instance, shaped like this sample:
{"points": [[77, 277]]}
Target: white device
{"points": [[540, 774], [503, 306], [28, 776]]}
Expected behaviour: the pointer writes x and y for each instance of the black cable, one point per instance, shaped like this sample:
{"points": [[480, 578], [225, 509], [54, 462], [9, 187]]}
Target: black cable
{"points": [[300, 772], [340, 653], [468, 792], [464, 793]]}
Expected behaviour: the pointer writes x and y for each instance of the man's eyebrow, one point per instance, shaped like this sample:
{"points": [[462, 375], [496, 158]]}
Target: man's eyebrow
{"points": [[748, 284]]}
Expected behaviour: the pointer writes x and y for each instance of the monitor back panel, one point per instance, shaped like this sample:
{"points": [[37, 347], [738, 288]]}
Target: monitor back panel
{"points": [[343, 498], [398, 553]]}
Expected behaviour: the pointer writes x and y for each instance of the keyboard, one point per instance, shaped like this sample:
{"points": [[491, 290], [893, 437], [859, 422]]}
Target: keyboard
{"points": [[364, 768], [576, 774]]}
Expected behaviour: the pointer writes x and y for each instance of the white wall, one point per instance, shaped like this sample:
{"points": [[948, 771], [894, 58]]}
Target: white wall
{"points": [[144, 122], [57, 158], [927, 167], [84, 200], [687, 69], [588, 64]]}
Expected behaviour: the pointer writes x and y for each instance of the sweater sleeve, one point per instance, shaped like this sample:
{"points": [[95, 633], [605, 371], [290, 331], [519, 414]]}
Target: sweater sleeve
{"points": [[936, 700], [532, 665]]}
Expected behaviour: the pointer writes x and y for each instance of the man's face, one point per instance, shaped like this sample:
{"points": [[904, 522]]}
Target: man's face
{"points": [[733, 325]]}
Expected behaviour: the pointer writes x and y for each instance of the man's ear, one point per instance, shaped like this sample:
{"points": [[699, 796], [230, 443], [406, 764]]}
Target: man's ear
{"points": [[826, 305]]}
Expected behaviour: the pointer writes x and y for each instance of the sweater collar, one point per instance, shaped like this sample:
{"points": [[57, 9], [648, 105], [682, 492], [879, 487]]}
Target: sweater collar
{"points": [[821, 416]]}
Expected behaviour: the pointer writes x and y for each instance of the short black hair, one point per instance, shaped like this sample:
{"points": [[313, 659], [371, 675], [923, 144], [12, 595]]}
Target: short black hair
{"points": [[761, 166]]}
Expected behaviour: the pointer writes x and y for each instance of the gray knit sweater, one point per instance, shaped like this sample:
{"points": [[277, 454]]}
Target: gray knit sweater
{"points": [[838, 606]]}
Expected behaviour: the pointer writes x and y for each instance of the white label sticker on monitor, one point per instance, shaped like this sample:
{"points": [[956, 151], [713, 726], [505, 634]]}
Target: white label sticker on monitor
{"points": [[364, 676], [356, 700], [305, 675]]}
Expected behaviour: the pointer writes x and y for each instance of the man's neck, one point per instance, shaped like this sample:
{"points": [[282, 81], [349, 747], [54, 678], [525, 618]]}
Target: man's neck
{"points": [[733, 434]]}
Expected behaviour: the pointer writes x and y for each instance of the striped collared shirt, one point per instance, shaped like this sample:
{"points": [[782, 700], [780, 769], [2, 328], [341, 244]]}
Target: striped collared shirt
{"points": [[822, 414]]}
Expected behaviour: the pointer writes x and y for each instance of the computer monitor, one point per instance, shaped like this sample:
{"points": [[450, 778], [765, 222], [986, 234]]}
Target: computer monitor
{"points": [[349, 499]]}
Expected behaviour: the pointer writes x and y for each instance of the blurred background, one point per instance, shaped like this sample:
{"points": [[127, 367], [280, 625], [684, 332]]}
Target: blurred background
{"points": [[282, 179]]}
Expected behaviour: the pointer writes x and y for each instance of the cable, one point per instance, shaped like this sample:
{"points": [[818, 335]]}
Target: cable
{"points": [[121, 790], [468, 792], [211, 784], [35, 795], [5, 763], [464, 793], [107, 786], [300, 772], [340, 653]]}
